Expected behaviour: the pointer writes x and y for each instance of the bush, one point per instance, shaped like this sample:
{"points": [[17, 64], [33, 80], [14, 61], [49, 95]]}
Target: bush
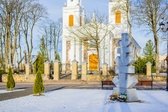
{"points": [[38, 84], [10, 80], [1, 73], [39, 64], [140, 65]]}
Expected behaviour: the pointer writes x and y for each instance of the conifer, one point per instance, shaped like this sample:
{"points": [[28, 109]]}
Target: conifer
{"points": [[38, 88], [10, 80]]}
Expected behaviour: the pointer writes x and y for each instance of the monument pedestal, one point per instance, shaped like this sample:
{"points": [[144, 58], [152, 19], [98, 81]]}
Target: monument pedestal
{"points": [[132, 95]]}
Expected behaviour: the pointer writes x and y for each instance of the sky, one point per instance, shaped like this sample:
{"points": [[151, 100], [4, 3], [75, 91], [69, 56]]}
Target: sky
{"points": [[54, 10]]}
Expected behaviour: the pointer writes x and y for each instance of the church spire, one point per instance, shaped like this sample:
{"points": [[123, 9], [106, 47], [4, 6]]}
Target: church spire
{"points": [[93, 17]]}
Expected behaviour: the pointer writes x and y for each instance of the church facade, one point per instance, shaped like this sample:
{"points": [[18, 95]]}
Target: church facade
{"points": [[74, 17]]}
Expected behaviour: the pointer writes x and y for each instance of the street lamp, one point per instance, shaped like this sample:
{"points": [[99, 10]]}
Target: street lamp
{"points": [[164, 27]]}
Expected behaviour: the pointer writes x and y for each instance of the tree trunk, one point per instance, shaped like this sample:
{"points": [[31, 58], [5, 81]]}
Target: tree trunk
{"points": [[7, 42], [31, 44], [156, 53], [98, 56]]}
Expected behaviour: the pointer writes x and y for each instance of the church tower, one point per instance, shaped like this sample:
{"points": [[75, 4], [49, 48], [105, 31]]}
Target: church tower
{"points": [[118, 17], [72, 13], [118, 22], [73, 16]]}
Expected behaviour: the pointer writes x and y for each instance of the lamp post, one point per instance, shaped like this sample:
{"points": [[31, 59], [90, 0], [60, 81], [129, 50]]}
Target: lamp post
{"points": [[164, 27]]}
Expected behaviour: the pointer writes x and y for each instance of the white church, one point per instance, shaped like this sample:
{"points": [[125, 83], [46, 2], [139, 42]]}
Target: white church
{"points": [[73, 50]]}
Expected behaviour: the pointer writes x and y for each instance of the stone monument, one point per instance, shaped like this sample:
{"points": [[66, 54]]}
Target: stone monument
{"points": [[125, 81]]}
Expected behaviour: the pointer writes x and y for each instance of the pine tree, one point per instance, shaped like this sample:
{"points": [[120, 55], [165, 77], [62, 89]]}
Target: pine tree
{"points": [[10, 80], [38, 84], [150, 54], [42, 57], [149, 49]]}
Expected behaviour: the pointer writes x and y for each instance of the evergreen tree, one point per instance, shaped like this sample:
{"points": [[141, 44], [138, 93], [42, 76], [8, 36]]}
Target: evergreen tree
{"points": [[140, 63], [57, 56], [10, 80], [39, 64], [41, 58], [43, 49], [149, 50], [38, 84], [149, 53]]}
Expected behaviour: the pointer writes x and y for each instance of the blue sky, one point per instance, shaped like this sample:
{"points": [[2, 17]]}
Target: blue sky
{"points": [[54, 9]]}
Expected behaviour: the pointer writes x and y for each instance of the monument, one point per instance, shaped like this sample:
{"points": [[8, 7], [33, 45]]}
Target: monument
{"points": [[125, 81]]}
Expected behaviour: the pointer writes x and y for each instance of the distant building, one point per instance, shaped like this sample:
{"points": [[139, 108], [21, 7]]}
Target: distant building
{"points": [[163, 63], [73, 17]]}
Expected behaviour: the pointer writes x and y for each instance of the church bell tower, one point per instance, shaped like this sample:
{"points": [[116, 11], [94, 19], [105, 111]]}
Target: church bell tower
{"points": [[73, 16], [72, 13], [118, 17]]}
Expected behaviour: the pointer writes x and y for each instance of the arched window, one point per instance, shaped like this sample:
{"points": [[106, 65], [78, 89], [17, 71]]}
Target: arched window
{"points": [[118, 17], [71, 20]]}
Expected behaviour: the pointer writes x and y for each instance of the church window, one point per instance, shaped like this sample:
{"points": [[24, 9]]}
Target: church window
{"points": [[118, 17], [71, 20]]}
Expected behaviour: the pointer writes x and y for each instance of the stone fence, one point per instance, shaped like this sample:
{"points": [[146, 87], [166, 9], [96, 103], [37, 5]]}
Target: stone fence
{"points": [[76, 74]]}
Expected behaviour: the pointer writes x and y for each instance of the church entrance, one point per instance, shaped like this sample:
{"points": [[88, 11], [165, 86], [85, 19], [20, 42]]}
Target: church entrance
{"points": [[93, 62]]}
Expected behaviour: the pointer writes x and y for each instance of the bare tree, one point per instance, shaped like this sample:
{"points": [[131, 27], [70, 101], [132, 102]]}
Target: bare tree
{"points": [[2, 38], [10, 15], [52, 34], [57, 32], [149, 13], [93, 33], [13, 15], [31, 16]]}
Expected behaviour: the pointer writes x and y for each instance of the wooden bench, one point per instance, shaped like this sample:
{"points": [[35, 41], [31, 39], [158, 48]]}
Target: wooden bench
{"points": [[145, 83], [107, 82]]}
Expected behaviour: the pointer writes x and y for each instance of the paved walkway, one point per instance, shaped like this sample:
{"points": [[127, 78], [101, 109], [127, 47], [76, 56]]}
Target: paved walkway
{"points": [[53, 85], [48, 87]]}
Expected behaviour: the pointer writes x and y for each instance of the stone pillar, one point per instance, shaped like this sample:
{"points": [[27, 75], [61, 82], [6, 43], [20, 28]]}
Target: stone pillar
{"points": [[74, 75], [56, 70], [105, 69], [63, 68], [47, 69], [148, 69], [84, 71], [27, 69]]}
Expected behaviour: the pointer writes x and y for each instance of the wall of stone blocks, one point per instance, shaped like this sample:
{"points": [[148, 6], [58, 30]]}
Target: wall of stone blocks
{"points": [[20, 78]]}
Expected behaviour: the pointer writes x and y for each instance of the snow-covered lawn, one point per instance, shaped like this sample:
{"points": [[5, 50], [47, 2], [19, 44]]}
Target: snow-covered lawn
{"points": [[82, 100], [5, 91]]}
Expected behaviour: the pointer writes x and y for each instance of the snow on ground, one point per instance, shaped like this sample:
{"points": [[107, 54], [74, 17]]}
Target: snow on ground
{"points": [[5, 91], [82, 100]]}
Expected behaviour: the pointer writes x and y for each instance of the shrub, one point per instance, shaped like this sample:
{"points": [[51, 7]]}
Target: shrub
{"points": [[1, 73], [140, 65], [38, 84], [10, 80]]}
